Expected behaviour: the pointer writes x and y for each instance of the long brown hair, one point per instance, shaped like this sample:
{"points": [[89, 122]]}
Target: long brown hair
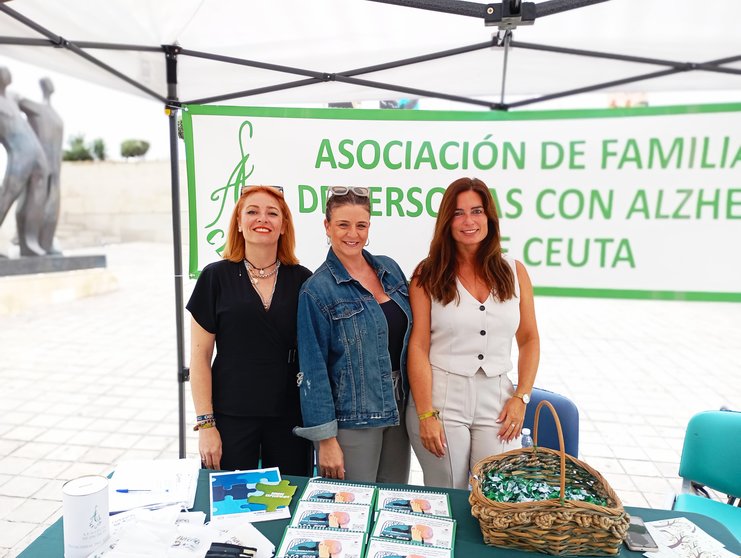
{"points": [[436, 274], [234, 250]]}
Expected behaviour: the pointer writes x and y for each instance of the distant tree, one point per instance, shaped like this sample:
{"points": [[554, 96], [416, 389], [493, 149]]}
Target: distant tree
{"points": [[77, 151], [99, 149], [134, 148]]}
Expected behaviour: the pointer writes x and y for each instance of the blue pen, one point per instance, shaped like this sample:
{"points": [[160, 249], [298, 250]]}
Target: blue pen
{"points": [[127, 490]]}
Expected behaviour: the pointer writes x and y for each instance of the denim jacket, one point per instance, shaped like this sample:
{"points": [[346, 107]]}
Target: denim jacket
{"points": [[345, 379]]}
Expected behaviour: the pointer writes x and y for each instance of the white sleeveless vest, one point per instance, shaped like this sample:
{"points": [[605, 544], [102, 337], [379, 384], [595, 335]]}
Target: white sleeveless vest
{"points": [[471, 335]]}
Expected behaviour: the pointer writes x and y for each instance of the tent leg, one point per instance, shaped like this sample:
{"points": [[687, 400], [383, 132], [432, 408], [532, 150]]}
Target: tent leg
{"points": [[506, 41], [171, 60], [178, 262]]}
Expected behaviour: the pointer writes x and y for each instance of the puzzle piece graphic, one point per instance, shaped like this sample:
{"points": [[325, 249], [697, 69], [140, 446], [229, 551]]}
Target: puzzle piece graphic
{"points": [[229, 506], [271, 503], [275, 495], [235, 491], [284, 487], [239, 491]]}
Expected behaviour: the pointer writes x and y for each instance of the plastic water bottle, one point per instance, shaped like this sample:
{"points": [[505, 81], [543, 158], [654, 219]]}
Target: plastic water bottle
{"points": [[527, 440]]}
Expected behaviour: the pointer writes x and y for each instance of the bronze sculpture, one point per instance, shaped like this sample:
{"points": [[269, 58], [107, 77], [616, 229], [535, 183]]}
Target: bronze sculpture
{"points": [[26, 174], [49, 127]]}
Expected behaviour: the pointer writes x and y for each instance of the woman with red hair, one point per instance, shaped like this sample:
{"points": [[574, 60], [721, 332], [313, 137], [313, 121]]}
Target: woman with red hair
{"points": [[246, 400]]}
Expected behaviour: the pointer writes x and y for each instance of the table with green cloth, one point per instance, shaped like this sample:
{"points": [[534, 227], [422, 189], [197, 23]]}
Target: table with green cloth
{"points": [[468, 540]]}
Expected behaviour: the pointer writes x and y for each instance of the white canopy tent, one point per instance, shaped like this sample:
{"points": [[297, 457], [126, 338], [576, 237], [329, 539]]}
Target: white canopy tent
{"points": [[291, 51], [329, 37]]}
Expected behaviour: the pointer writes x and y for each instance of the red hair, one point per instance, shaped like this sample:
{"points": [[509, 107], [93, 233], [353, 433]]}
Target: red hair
{"points": [[234, 249]]}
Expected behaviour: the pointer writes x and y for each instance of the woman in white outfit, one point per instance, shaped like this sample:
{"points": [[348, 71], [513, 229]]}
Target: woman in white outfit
{"points": [[468, 301]]}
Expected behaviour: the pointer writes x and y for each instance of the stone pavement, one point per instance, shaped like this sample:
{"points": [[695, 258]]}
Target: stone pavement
{"points": [[88, 383]]}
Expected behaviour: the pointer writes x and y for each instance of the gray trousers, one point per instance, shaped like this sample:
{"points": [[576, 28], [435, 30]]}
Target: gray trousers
{"points": [[469, 407], [378, 454]]}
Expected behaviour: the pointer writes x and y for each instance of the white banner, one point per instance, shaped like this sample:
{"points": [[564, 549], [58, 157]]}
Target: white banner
{"points": [[625, 203]]}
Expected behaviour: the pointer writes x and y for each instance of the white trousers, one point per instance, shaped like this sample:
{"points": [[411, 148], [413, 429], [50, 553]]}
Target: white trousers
{"points": [[469, 407]]}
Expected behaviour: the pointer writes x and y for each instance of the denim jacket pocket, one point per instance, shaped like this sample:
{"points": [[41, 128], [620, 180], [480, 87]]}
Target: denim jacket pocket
{"points": [[347, 316], [345, 309]]}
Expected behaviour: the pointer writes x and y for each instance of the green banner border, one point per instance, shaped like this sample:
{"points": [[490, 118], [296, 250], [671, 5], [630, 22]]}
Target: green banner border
{"points": [[460, 116], [190, 170], [635, 294]]}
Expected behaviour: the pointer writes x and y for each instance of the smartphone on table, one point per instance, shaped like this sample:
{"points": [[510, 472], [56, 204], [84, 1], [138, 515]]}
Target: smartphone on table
{"points": [[638, 538]]}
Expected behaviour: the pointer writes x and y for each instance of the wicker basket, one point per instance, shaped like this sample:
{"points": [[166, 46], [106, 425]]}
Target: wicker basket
{"points": [[556, 526]]}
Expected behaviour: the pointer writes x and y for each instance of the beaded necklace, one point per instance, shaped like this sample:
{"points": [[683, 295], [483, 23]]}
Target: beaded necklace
{"points": [[255, 279]]}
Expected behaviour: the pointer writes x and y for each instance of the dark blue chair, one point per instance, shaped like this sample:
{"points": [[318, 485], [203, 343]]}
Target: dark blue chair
{"points": [[568, 414]]}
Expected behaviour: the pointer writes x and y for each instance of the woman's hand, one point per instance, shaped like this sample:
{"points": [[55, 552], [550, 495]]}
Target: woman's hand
{"points": [[511, 418], [331, 459], [209, 444], [432, 436]]}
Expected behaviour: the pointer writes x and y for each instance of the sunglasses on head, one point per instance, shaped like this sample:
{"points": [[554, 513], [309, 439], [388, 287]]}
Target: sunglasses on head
{"points": [[344, 190], [246, 188]]}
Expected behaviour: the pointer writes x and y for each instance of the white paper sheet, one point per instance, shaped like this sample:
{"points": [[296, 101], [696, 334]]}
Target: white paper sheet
{"points": [[152, 482], [234, 531], [678, 537]]}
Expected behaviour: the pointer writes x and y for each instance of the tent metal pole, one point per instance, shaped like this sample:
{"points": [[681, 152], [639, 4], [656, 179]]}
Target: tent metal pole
{"points": [[61, 42], [455, 7], [171, 53], [595, 87], [551, 7], [507, 40], [251, 63], [414, 91], [117, 46], [24, 41], [422, 58], [250, 92], [710, 66], [319, 77]]}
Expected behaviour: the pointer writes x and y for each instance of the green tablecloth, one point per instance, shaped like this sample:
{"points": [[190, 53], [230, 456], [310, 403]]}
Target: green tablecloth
{"points": [[468, 541]]}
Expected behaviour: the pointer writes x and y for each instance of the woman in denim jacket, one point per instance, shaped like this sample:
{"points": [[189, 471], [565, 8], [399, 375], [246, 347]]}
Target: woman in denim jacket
{"points": [[354, 322]]}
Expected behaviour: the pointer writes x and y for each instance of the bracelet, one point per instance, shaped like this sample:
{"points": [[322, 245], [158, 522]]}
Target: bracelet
{"points": [[201, 424], [433, 413], [208, 416]]}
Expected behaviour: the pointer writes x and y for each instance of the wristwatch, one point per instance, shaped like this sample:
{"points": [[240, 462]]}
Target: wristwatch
{"points": [[524, 396]]}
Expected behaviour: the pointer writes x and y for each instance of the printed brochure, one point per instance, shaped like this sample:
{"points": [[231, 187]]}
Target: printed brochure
{"points": [[324, 515], [384, 548], [415, 528], [255, 495], [324, 543], [417, 501], [339, 492]]}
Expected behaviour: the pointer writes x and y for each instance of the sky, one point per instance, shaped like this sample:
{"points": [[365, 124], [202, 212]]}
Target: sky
{"points": [[95, 111]]}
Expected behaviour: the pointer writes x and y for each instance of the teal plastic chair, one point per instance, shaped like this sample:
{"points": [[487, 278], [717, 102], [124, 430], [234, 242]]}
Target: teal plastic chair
{"points": [[711, 456]]}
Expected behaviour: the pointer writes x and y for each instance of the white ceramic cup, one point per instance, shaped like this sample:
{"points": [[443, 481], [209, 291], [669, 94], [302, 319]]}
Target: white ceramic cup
{"points": [[85, 515]]}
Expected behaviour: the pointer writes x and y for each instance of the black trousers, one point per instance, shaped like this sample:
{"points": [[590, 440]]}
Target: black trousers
{"points": [[247, 440]]}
